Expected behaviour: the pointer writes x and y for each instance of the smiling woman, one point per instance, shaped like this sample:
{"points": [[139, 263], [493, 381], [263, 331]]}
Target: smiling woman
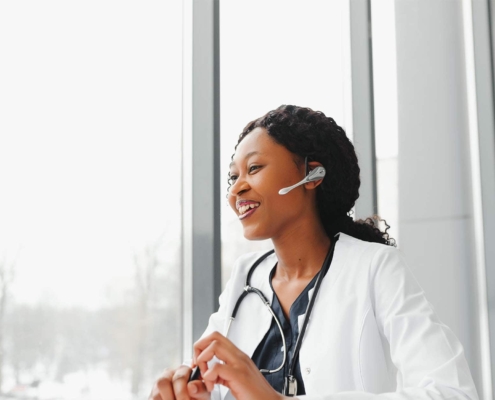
{"points": [[260, 168], [372, 330], [271, 154], [305, 60]]}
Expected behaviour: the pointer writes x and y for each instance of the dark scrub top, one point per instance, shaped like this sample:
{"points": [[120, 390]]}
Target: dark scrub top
{"points": [[269, 353]]}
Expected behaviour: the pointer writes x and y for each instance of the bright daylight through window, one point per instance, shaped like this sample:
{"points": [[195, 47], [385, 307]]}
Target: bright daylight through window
{"points": [[260, 70], [90, 233]]}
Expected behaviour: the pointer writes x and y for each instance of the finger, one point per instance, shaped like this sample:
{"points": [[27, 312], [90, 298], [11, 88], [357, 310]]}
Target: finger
{"points": [[207, 355], [221, 350], [197, 390], [163, 389], [155, 394], [220, 374], [203, 343], [179, 383]]}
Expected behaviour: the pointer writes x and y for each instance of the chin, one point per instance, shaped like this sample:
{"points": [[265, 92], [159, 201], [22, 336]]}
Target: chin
{"points": [[250, 234]]}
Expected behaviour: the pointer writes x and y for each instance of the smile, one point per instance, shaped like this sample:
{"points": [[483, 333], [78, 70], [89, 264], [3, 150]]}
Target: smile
{"points": [[246, 209], [247, 213]]}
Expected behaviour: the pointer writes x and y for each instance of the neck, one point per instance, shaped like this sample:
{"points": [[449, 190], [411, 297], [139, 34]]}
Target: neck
{"points": [[301, 251]]}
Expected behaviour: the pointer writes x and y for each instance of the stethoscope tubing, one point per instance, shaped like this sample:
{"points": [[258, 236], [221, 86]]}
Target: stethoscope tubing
{"points": [[195, 374], [309, 308], [249, 289]]}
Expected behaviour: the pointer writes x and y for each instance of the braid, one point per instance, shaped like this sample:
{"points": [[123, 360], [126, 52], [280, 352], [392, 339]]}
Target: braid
{"points": [[311, 134]]}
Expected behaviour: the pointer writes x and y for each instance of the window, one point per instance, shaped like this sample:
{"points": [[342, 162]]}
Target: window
{"points": [[273, 53], [90, 232], [386, 117]]}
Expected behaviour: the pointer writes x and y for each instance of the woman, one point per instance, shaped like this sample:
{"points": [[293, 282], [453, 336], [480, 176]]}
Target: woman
{"points": [[370, 329]]}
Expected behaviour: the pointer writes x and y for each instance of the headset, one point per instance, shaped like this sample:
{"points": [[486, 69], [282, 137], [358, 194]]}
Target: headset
{"points": [[315, 175]]}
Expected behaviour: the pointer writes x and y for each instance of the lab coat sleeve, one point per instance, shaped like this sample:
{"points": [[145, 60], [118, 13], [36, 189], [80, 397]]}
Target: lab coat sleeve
{"points": [[429, 358], [217, 319], [216, 322]]}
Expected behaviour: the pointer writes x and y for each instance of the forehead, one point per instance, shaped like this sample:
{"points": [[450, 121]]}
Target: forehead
{"points": [[257, 142]]}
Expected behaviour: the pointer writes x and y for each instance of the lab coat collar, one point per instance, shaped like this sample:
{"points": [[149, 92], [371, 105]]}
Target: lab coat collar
{"points": [[257, 319]]}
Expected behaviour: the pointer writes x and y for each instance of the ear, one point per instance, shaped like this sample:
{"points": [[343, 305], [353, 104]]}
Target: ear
{"points": [[313, 185]]}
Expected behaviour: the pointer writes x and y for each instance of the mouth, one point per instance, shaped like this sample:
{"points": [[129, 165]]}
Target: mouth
{"points": [[247, 208]]}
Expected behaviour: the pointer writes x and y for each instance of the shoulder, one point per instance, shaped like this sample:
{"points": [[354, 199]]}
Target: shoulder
{"points": [[362, 249], [384, 267], [370, 255], [380, 268]]}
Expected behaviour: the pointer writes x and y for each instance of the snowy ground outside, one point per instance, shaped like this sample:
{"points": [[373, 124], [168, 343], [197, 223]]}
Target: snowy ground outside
{"points": [[93, 385]]}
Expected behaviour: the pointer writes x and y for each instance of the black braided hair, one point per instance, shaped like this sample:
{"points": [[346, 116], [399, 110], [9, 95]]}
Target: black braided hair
{"points": [[311, 134]]}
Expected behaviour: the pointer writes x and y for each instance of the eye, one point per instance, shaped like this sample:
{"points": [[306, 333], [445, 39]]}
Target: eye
{"points": [[232, 177], [254, 167]]}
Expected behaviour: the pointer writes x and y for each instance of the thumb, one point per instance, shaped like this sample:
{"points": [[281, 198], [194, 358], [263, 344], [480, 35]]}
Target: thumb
{"points": [[197, 390]]}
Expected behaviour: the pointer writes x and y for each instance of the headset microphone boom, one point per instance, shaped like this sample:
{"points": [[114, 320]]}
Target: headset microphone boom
{"points": [[315, 175]]}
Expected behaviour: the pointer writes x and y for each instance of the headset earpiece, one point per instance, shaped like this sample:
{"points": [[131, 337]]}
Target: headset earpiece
{"points": [[315, 175]]}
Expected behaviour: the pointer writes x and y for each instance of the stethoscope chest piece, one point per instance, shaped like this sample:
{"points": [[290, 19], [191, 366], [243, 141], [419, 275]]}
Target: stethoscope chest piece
{"points": [[290, 386], [290, 382]]}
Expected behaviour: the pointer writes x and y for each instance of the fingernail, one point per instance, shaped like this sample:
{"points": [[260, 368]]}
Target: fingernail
{"points": [[193, 389]]}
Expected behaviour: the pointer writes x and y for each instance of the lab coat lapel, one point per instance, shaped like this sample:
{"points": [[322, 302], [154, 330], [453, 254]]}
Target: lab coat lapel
{"points": [[329, 279], [300, 318], [313, 348], [253, 319]]}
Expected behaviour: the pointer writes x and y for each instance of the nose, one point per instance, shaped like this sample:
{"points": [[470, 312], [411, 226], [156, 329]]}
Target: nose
{"points": [[239, 186]]}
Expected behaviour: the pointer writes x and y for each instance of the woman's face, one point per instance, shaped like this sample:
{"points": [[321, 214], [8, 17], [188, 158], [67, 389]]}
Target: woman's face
{"points": [[260, 168]]}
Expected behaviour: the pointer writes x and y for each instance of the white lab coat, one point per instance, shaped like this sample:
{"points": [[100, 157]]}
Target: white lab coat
{"points": [[372, 333]]}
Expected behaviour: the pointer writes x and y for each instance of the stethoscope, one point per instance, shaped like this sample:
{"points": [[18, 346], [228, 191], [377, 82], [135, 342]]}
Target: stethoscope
{"points": [[290, 386], [290, 382]]}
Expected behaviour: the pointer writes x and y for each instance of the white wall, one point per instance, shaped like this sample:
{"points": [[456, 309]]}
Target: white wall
{"points": [[435, 207]]}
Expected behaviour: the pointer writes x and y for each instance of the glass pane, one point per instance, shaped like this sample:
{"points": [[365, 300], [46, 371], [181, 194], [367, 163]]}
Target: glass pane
{"points": [[278, 52], [385, 104], [90, 231]]}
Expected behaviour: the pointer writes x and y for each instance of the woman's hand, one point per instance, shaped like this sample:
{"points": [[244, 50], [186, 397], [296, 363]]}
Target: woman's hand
{"points": [[237, 372], [173, 385]]}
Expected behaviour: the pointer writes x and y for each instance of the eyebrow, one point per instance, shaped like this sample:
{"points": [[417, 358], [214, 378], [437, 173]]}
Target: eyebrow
{"points": [[250, 154]]}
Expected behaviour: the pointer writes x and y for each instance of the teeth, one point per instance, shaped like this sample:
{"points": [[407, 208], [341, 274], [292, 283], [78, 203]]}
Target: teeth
{"points": [[244, 209]]}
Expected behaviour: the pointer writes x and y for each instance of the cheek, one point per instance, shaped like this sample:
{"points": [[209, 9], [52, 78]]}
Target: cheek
{"points": [[290, 206], [231, 200]]}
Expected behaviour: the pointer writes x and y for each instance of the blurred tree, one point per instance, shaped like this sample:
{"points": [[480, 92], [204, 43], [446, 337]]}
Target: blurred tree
{"points": [[7, 274], [132, 338], [31, 337], [145, 328], [146, 266], [78, 341]]}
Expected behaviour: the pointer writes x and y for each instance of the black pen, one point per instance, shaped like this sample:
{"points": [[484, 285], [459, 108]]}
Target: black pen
{"points": [[195, 374]]}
